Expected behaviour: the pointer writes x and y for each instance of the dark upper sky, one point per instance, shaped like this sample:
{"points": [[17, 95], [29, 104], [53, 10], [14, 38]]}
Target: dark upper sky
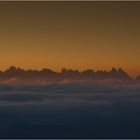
{"points": [[76, 35]]}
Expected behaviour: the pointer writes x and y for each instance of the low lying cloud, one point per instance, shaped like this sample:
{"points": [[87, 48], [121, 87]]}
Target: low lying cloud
{"points": [[70, 92], [70, 111]]}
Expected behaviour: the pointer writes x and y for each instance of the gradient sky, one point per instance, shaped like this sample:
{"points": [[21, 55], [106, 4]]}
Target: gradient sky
{"points": [[77, 35]]}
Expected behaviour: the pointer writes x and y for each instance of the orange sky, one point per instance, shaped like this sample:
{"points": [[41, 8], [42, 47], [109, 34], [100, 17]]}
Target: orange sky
{"points": [[77, 35]]}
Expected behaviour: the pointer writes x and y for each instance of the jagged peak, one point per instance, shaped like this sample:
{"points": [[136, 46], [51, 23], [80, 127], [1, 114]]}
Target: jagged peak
{"points": [[114, 69], [138, 77], [88, 71], [121, 70]]}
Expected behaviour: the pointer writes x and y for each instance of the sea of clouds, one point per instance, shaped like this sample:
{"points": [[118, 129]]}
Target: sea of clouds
{"points": [[70, 111]]}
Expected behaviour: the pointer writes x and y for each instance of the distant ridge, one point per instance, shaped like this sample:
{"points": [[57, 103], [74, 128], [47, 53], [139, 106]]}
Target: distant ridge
{"points": [[15, 73], [138, 77]]}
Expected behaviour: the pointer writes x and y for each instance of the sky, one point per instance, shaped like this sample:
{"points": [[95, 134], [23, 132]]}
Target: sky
{"points": [[77, 35]]}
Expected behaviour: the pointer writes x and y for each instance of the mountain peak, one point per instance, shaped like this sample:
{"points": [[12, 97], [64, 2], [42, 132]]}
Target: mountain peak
{"points": [[123, 74], [114, 70], [138, 77]]}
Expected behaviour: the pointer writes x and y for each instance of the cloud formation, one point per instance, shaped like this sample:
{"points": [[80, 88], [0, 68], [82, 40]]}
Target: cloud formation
{"points": [[77, 92], [70, 111]]}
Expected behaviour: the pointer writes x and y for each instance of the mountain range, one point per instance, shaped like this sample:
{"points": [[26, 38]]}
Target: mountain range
{"points": [[13, 74]]}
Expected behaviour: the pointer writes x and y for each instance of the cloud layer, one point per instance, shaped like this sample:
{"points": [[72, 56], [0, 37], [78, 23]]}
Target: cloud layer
{"points": [[70, 111]]}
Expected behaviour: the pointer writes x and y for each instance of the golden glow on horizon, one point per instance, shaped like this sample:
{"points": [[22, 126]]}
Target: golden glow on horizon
{"points": [[77, 35]]}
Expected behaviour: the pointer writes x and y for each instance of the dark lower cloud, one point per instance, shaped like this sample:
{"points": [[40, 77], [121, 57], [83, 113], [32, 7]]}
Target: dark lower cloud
{"points": [[70, 111], [70, 92]]}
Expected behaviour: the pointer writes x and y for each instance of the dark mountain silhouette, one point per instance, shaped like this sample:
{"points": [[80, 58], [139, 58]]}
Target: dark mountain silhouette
{"points": [[138, 77], [47, 75]]}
